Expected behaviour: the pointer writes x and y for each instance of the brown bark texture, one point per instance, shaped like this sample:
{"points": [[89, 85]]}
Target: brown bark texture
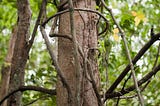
{"points": [[6, 68], [86, 34], [13, 71]]}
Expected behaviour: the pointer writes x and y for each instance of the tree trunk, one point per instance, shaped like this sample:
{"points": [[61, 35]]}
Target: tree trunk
{"points": [[86, 34], [17, 55], [6, 68], [20, 54]]}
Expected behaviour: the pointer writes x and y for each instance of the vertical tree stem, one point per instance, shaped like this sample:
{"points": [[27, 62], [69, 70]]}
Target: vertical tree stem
{"points": [[128, 54], [74, 39]]}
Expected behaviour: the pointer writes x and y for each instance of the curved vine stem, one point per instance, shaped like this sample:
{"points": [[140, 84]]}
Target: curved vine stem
{"points": [[80, 9]]}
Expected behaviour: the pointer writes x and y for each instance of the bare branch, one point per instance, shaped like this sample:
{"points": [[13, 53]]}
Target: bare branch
{"points": [[86, 61], [61, 35], [157, 56], [146, 78], [128, 54], [36, 25], [75, 53], [93, 83], [125, 82], [55, 61], [80, 9], [33, 101], [128, 97], [34, 88], [97, 12], [135, 59]]}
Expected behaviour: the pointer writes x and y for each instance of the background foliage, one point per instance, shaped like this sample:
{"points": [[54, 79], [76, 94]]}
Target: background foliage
{"points": [[135, 17]]}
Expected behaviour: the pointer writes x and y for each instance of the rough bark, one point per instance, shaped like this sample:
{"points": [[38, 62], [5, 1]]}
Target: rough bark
{"points": [[6, 68], [86, 34], [20, 54], [17, 55]]}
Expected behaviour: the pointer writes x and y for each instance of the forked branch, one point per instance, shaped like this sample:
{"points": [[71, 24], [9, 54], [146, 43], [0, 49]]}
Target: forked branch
{"points": [[135, 59], [146, 78]]}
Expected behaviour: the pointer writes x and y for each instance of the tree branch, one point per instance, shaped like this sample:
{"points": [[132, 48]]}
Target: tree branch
{"points": [[146, 78], [140, 97], [75, 53], [59, 72], [33, 88], [61, 35], [36, 25], [157, 56], [93, 82], [33, 101], [79, 9], [125, 82], [87, 62], [128, 97], [135, 59]]}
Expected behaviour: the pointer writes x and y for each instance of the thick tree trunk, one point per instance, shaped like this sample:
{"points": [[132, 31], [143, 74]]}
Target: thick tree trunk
{"points": [[86, 34], [17, 55]]}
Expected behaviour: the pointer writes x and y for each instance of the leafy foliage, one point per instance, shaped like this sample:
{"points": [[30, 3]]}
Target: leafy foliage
{"points": [[7, 21], [135, 18]]}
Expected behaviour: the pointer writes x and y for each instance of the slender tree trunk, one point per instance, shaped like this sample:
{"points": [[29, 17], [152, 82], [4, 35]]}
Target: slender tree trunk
{"points": [[20, 54], [6, 68], [86, 34], [17, 55]]}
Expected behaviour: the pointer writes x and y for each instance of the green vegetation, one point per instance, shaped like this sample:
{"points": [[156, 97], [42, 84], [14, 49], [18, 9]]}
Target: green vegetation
{"points": [[136, 20]]}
